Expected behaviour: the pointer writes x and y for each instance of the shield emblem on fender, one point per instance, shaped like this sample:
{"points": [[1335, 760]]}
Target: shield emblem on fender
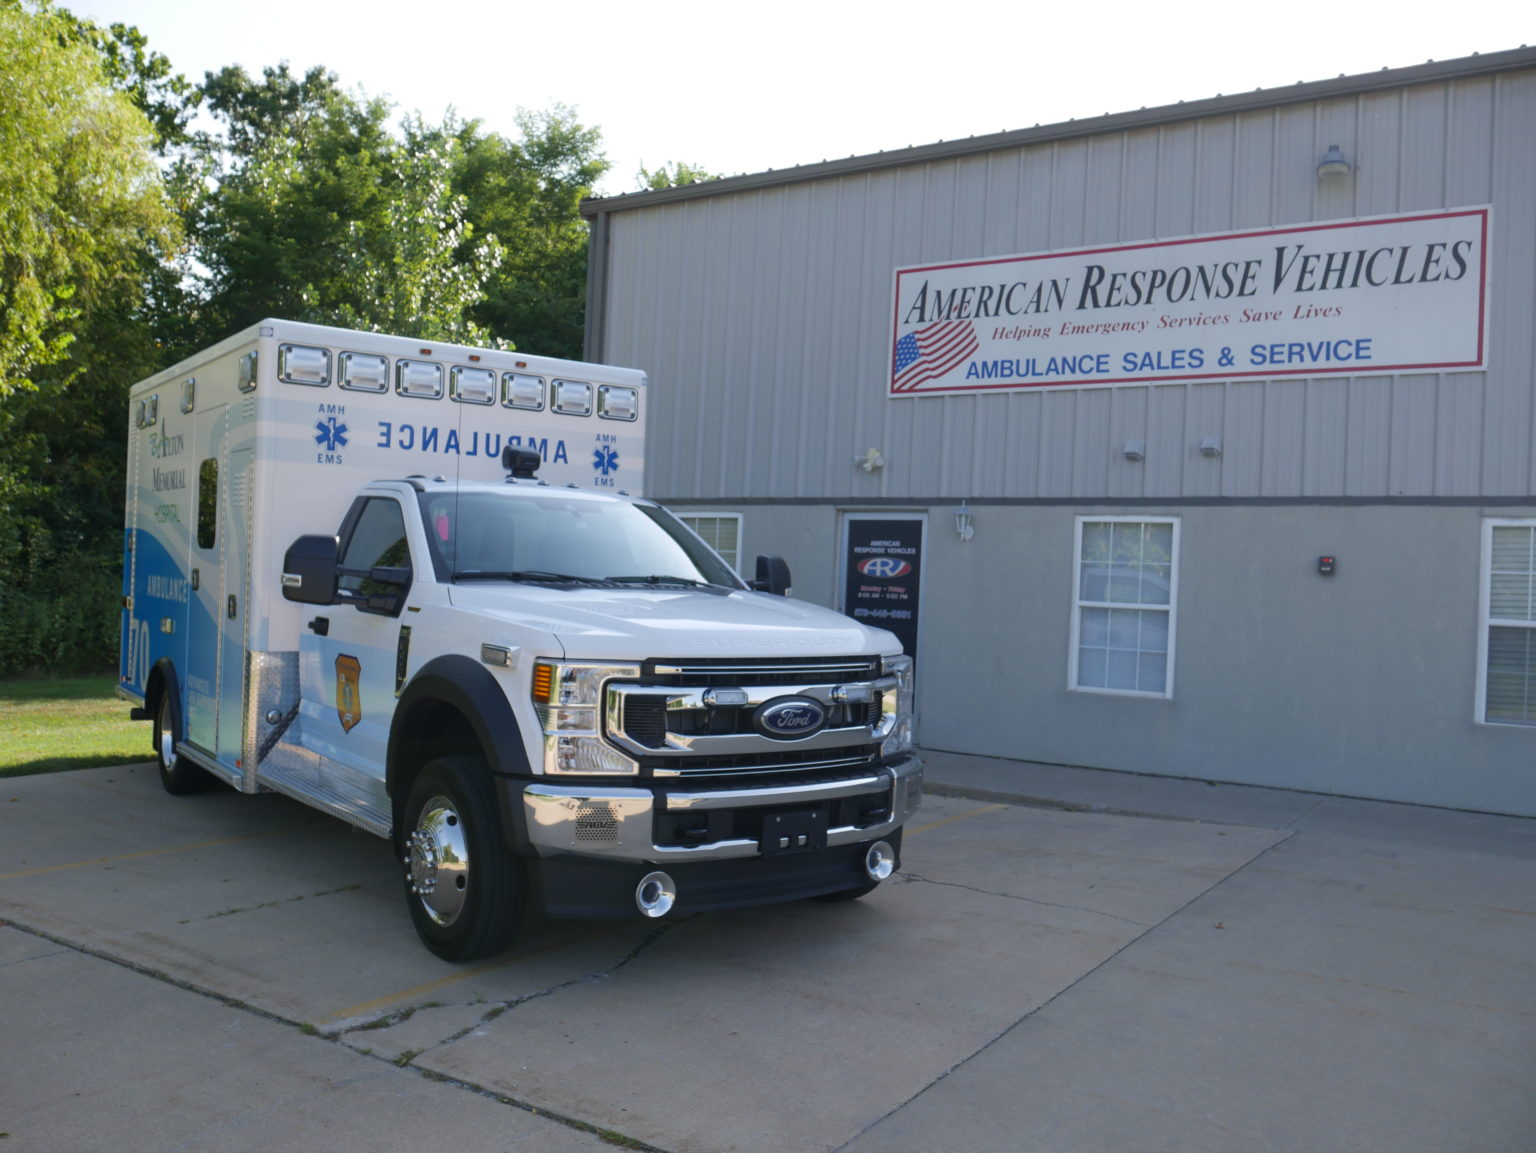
{"points": [[349, 697]]}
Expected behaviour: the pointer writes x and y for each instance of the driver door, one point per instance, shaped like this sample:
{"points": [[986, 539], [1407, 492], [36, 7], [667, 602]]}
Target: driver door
{"points": [[351, 655]]}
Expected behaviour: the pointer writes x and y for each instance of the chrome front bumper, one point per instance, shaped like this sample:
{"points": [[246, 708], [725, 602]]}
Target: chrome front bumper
{"points": [[616, 823]]}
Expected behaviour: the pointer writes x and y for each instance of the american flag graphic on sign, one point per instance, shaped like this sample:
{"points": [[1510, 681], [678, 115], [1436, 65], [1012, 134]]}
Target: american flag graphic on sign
{"points": [[932, 351]]}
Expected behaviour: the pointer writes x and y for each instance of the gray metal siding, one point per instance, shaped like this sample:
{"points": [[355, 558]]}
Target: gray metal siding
{"points": [[1358, 684], [763, 316]]}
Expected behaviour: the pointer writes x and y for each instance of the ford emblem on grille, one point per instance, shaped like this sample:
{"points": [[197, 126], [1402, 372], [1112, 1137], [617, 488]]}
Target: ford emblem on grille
{"points": [[785, 718]]}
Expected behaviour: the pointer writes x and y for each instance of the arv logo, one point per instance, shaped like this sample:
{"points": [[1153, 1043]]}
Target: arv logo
{"points": [[884, 567]]}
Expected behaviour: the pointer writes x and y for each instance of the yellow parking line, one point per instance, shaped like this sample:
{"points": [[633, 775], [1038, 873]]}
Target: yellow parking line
{"points": [[953, 819], [146, 853], [377, 1003]]}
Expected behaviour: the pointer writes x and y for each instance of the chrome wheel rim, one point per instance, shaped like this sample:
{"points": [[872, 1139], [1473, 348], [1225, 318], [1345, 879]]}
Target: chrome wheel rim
{"points": [[167, 748], [437, 861]]}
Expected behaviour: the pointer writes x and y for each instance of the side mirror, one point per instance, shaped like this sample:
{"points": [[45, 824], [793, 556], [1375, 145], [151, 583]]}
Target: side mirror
{"points": [[309, 570], [381, 591], [772, 576]]}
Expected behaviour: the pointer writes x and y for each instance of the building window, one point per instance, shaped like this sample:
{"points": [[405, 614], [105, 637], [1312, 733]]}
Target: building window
{"points": [[721, 531], [1507, 661], [1126, 597]]}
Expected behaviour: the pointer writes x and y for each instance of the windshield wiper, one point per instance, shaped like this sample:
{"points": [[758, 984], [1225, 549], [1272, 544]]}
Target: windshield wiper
{"points": [[530, 575], [687, 582]]}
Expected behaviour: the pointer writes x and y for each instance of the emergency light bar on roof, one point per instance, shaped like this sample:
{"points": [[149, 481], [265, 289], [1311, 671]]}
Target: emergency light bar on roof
{"points": [[423, 380]]}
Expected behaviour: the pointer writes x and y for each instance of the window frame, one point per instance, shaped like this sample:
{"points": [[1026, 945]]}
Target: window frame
{"points": [[1486, 622], [206, 530], [1078, 604], [688, 516], [348, 537]]}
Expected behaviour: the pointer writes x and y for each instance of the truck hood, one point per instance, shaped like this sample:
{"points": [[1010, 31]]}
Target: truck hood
{"points": [[635, 623]]}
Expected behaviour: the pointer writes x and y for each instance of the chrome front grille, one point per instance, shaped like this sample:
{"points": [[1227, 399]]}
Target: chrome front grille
{"points": [[647, 720], [696, 718]]}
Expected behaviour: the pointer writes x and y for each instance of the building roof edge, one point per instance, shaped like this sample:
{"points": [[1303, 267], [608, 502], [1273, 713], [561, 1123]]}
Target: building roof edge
{"points": [[1478, 64]]}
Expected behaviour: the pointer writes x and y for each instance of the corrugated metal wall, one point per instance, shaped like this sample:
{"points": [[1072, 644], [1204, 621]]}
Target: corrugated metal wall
{"points": [[763, 316]]}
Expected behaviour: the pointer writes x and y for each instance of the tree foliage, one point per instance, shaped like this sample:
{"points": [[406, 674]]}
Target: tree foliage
{"points": [[670, 175], [528, 194], [132, 234], [80, 197], [301, 170], [425, 271]]}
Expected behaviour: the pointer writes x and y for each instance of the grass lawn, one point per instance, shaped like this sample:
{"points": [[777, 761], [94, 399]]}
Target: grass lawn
{"points": [[49, 725]]}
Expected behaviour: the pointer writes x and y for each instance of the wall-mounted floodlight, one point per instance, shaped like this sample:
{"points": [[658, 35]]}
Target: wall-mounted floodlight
{"points": [[1333, 163]]}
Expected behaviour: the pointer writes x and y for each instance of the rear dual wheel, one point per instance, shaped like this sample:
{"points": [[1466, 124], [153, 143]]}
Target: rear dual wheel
{"points": [[179, 775]]}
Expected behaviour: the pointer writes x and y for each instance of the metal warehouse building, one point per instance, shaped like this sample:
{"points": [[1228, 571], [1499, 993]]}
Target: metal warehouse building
{"points": [[1192, 441]]}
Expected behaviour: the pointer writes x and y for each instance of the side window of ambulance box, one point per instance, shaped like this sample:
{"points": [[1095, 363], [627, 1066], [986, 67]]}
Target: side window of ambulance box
{"points": [[207, 503]]}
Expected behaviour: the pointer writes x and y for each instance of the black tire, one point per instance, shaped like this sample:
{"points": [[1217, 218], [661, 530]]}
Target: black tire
{"points": [[462, 884], [852, 894], [179, 775]]}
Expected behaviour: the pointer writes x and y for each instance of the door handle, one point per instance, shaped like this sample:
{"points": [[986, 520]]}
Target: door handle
{"points": [[320, 626]]}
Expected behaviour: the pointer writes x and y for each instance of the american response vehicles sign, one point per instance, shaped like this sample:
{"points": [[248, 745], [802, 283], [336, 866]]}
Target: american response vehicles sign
{"points": [[1402, 294]]}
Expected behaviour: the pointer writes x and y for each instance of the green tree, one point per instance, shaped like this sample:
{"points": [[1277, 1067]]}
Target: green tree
{"points": [[527, 193], [670, 175], [301, 169], [83, 220], [80, 196], [167, 99], [423, 273]]}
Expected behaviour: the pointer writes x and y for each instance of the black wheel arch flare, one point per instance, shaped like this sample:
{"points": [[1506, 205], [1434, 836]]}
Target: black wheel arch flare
{"points": [[452, 701], [162, 680]]}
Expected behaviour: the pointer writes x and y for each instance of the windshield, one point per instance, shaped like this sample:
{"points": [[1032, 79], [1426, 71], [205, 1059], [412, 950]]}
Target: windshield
{"points": [[565, 538]]}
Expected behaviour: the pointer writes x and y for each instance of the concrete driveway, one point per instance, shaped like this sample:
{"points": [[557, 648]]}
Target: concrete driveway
{"points": [[1286, 972]]}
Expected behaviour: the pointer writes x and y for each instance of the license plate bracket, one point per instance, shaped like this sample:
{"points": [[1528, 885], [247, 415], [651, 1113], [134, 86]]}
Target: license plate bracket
{"points": [[802, 830]]}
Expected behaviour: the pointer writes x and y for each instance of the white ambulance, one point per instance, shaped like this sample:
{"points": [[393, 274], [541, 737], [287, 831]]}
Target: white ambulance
{"points": [[415, 585]]}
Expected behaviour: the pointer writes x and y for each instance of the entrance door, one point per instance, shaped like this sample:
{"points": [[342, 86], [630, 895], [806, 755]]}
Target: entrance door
{"points": [[882, 570]]}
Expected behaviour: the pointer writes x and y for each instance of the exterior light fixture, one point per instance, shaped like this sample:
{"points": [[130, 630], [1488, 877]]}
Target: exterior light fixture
{"points": [[871, 460], [1210, 446], [1333, 163], [963, 525], [1135, 450]]}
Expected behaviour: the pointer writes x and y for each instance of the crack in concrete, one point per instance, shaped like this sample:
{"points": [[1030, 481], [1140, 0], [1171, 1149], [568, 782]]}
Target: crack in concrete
{"points": [[497, 1008], [906, 876], [337, 1038]]}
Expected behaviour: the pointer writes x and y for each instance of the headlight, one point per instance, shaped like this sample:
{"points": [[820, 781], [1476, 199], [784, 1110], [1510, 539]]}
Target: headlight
{"points": [[896, 707], [568, 700]]}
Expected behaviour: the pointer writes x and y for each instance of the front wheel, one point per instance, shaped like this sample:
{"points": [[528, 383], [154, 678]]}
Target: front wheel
{"points": [[462, 884]]}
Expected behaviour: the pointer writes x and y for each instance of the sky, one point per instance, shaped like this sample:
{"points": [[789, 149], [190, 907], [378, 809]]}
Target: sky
{"points": [[735, 88]]}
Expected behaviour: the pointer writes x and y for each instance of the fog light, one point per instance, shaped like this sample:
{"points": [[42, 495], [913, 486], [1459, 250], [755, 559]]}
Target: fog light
{"points": [[657, 893], [880, 861]]}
